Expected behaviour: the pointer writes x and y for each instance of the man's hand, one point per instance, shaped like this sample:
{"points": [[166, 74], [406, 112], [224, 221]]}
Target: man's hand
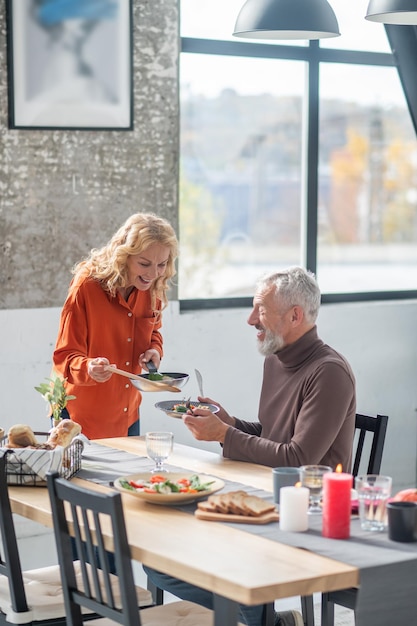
{"points": [[205, 426], [222, 413]]}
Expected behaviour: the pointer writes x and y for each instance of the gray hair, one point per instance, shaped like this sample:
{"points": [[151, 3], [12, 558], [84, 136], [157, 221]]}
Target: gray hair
{"points": [[295, 286]]}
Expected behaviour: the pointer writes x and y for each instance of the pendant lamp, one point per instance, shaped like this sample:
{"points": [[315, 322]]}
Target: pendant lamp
{"points": [[392, 11], [286, 19]]}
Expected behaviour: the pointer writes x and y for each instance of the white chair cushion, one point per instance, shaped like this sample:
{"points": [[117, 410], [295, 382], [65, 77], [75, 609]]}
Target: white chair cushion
{"points": [[44, 595], [181, 613]]}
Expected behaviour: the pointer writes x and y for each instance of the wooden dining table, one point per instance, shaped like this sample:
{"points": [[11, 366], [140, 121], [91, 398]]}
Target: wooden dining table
{"points": [[235, 565]]}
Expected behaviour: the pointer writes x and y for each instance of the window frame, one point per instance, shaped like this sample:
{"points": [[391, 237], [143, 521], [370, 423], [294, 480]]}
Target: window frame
{"points": [[312, 54]]}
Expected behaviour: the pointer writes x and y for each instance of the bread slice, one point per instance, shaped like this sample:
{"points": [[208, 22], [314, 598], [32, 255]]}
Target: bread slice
{"points": [[206, 506], [236, 503], [255, 506], [219, 505]]}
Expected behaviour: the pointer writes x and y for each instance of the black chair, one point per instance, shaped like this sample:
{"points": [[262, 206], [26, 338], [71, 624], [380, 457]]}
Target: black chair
{"points": [[32, 597], [90, 512], [377, 425], [25, 597], [370, 431]]}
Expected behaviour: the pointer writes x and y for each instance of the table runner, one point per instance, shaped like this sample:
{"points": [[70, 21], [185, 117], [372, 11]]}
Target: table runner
{"points": [[387, 569]]}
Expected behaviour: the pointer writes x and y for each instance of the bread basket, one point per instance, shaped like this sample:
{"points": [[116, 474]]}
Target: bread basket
{"points": [[28, 467]]}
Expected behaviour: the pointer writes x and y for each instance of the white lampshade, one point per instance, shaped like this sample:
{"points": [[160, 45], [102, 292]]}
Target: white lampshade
{"points": [[392, 11], [286, 19]]}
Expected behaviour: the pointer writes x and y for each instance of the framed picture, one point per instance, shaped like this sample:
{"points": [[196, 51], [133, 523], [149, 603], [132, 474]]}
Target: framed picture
{"points": [[70, 64]]}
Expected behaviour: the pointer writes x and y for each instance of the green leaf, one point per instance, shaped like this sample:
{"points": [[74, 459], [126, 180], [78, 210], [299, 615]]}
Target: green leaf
{"points": [[124, 483], [55, 394]]}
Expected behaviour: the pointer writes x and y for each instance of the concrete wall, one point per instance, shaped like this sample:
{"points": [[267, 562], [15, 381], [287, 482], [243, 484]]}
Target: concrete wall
{"points": [[65, 192]]}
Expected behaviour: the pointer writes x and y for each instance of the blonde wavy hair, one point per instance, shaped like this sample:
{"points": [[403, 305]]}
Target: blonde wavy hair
{"points": [[108, 264]]}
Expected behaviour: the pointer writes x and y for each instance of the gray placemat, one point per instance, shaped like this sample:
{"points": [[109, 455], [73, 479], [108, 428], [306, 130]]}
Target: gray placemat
{"points": [[103, 465]]}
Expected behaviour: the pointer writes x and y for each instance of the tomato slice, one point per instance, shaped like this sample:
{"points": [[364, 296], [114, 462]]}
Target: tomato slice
{"points": [[136, 485], [184, 481], [157, 479]]}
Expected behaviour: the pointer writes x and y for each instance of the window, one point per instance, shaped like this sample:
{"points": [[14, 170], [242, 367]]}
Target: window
{"points": [[258, 192], [367, 217]]}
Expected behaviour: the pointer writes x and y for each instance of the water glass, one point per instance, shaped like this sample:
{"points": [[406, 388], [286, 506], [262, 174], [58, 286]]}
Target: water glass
{"points": [[158, 448], [311, 476], [374, 492]]}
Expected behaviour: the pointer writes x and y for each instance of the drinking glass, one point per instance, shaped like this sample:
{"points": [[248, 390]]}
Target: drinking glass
{"points": [[374, 492], [283, 477], [158, 448], [311, 476]]}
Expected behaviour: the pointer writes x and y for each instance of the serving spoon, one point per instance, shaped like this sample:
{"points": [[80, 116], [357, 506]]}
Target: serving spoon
{"points": [[144, 384]]}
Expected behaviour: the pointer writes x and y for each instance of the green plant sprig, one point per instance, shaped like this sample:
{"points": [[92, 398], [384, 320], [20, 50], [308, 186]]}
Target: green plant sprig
{"points": [[55, 393]]}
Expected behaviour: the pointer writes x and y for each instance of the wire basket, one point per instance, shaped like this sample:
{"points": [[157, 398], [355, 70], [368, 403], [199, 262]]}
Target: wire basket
{"points": [[20, 473]]}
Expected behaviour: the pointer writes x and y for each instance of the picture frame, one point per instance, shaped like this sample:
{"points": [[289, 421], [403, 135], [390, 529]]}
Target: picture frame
{"points": [[70, 64]]}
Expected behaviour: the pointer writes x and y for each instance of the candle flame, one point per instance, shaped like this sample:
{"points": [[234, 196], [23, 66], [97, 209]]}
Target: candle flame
{"points": [[339, 468], [297, 484]]}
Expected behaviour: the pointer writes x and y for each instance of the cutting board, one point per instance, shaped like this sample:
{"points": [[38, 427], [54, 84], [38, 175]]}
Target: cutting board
{"points": [[266, 518]]}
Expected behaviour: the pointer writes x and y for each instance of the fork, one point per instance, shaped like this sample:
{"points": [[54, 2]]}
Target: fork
{"points": [[188, 403], [200, 382]]}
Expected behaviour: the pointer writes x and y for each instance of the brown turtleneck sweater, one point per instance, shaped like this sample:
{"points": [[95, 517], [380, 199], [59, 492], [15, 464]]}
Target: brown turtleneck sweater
{"points": [[306, 410]]}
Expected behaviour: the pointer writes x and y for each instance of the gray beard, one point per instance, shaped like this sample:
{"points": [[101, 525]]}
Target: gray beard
{"points": [[271, 344]]}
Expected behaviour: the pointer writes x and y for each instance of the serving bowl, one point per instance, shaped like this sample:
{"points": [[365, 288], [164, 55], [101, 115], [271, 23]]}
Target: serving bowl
{"points": [[169, 378]]}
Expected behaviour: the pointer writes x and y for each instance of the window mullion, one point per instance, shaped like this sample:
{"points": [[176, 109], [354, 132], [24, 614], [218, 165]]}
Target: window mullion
{"points": [[309, 214]]}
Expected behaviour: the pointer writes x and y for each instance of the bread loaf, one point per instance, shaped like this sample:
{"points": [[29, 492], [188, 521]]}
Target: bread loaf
{"points": [[21, 436], [63, 433]]}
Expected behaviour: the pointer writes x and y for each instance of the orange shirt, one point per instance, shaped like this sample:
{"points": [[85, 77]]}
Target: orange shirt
{"points": [[96, 324]]}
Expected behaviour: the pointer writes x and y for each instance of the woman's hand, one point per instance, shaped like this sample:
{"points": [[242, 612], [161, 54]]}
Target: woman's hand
{"points": [[97, 369], [150, 355]]}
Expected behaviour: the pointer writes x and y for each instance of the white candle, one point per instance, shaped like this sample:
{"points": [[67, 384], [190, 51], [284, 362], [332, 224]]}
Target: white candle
{"points": [[293, 509]]}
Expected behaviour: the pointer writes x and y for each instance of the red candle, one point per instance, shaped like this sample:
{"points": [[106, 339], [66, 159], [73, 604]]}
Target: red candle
{"points": [[336, 504]]}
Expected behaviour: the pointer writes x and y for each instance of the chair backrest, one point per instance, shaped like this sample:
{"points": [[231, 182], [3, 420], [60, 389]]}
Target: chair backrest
{"points": [[10, 565], [91, 516], [377, 426]]}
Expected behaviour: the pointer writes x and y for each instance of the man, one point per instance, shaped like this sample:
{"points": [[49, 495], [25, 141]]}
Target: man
{"points": [[307, 405], [306, 410]]}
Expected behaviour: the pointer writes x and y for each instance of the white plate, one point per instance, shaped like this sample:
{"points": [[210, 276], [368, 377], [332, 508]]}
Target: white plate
{"points": [[167, 407], [170, 498]]}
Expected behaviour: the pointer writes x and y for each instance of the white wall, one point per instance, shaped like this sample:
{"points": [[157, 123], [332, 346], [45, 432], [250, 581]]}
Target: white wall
{"points": [[379, 340]]}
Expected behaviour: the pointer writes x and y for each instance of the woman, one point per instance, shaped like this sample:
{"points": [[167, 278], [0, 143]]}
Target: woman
{"points": [[112, 315]]}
